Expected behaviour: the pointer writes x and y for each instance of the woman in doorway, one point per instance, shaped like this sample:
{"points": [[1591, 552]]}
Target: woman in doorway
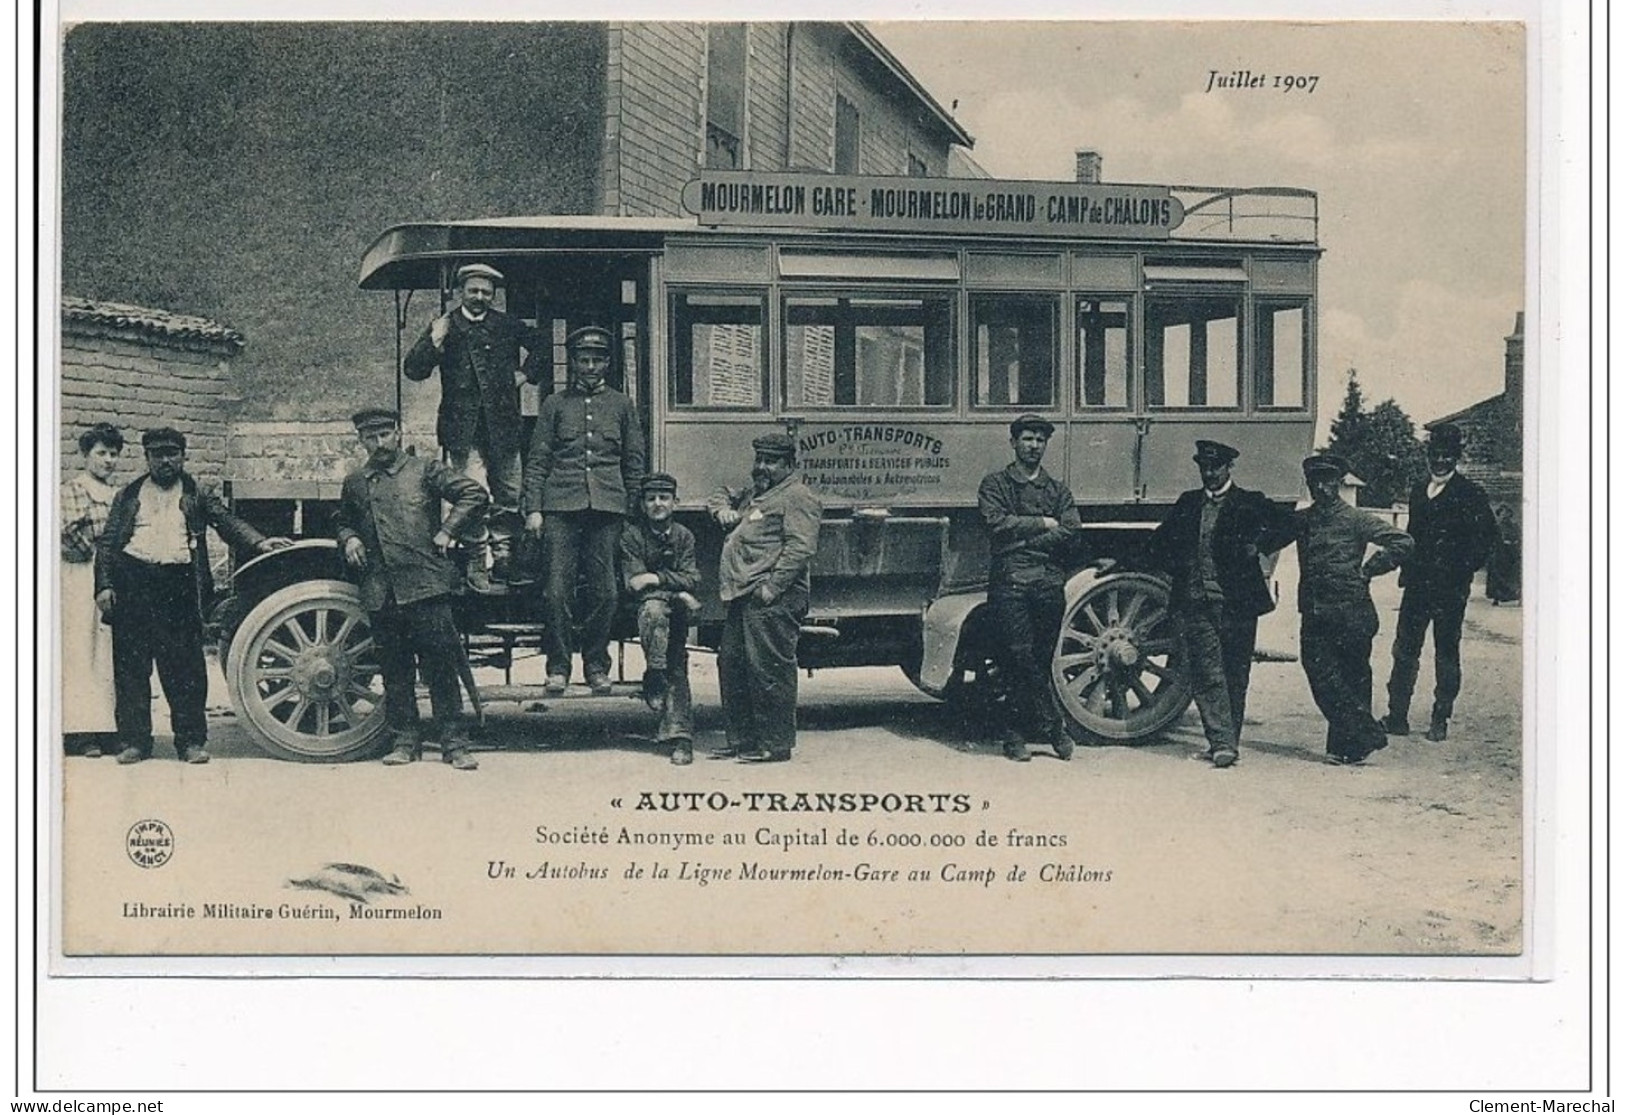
{"points": [[87, 643]]}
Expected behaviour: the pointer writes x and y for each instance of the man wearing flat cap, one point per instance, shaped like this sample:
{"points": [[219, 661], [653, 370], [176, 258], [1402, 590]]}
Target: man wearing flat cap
{"points": [[1209, 546], [1454, 528], [155, 587], [581, 480], [1033, 526], [1334, 605], [765, 580], [477, 349], [662, 574], [394, 542]]}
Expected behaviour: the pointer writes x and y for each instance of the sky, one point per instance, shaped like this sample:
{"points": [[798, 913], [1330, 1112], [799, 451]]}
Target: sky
{"points": [[1414, 139]]}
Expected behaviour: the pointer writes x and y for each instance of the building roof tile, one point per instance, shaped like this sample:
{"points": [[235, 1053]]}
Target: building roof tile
{"points": [[150, 322]]}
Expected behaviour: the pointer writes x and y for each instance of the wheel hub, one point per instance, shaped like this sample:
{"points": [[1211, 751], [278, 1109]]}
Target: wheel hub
{"points": [[1116, 648], [320, 673]]}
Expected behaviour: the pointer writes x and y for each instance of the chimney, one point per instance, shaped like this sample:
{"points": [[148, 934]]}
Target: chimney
{"points": [[1514, 387], [1088, 165]]}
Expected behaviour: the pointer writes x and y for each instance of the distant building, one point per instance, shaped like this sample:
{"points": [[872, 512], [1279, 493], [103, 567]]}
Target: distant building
{"points": [[1494, 433]]}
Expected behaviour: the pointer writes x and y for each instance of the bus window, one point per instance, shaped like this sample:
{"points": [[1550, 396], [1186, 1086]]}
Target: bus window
{"points": [[842, 351], [1013, 351], [718, 354], [1193, 351], [1281, 355], [1102, 353]]}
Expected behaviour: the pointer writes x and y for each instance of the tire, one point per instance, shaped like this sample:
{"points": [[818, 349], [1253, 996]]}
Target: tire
{"points": [[1116, 671], [304, 675]]}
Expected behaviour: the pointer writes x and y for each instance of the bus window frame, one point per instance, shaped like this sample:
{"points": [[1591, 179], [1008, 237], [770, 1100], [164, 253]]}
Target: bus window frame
{"points": [[1272, 301], [952, 295], [1060, 318], [1132, 385], [763, 292], [1243, 299]]}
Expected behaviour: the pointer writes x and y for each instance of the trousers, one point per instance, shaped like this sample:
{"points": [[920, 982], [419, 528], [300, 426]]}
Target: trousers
{"points": [[1027, 618], [1218, 650], [156, 623], [1443, 608], [663, 630], [410, 637], [1336, 652], [579, 546], [756, 671]]}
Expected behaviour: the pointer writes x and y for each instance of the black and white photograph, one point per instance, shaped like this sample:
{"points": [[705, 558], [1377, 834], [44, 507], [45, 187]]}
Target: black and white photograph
{"points": [[789, 497]]}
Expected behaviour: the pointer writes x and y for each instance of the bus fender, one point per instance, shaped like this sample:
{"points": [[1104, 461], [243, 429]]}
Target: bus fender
{"points": [[945, 621]]}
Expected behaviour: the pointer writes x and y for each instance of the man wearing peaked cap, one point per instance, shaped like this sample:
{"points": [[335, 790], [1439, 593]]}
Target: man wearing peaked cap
{"points": [[581, 481], [1334, 605], [395, 541], [154, 587], [1209, 546], [477, 350], [1033, 523], [661, 572], [765, 579], [1454, 528]]}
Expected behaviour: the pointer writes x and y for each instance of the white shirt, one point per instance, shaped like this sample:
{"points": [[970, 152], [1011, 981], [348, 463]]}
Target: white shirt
{"points": [[160, 536], [470, 317], [1436, 483], [1220, 494]]}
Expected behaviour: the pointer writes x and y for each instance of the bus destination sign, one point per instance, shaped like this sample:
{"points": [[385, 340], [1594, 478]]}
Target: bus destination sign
{"points": [[954, 205]]}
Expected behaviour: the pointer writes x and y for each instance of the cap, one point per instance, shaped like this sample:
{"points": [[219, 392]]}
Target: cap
{"points": [[478, 271], [1445, 439], [659, 482], [1325, 464], [375, 418], [779, 445], [164, 437], [589, 337], [1214, 452], [1031, 422]]}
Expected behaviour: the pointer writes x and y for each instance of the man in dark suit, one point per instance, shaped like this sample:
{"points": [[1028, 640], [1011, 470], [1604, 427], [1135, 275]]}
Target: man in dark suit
{"points": [[1209, 545], [1454, 530]]}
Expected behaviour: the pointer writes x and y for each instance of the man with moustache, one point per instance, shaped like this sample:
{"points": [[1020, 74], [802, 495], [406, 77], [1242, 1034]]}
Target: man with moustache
{"points": [[477, 349], [394, 540], [1454, 528], [765, 581], [154, 586], [1032, 523], [581, 481], [1209, 546]]}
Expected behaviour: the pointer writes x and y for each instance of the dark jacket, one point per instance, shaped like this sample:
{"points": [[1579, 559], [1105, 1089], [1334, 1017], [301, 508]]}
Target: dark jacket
{"points": [[1453, 535], [202, 509], [1247, 525], [1333, 569], [395, 511], [1023, 549], [773, 543], [586, 453], [670, 558], [477, 362]]}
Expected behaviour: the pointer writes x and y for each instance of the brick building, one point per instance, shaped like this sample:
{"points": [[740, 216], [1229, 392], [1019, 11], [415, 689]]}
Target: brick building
{"points": [[138, 368], [240, 170], [1494, 432]]}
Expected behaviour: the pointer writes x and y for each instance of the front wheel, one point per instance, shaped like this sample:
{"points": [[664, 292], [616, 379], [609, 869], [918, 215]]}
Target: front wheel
{"points": [[1116, 669], [304, 676]]}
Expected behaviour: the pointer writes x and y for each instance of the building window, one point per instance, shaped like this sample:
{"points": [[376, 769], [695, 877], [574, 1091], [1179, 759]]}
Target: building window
{"points": [[1013, 351], [1280, 355], [718, 354], [917, 167], [1193, 351], [868, 352], [1103, 355], [725, 96], [848, 136]]}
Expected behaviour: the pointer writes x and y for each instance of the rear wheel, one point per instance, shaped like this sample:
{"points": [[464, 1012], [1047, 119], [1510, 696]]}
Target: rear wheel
{"points": [[1116, 669], [304, 676]]}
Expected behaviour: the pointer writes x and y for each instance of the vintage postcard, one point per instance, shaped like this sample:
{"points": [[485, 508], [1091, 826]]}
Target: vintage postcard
{"points": [[554, 496]]}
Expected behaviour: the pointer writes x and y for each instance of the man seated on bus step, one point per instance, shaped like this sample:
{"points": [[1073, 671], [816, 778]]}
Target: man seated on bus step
{"points": [[394, 540], [1033, 522], [1209, 546], [581, 481], [477, 351], [661, 572]]}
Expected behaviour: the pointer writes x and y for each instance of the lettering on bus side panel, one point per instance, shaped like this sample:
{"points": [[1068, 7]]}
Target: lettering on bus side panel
{"points": [[872, 460]]}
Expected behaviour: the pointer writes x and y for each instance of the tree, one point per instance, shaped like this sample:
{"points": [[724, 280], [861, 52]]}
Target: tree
{"points": [[1379, 444]]}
